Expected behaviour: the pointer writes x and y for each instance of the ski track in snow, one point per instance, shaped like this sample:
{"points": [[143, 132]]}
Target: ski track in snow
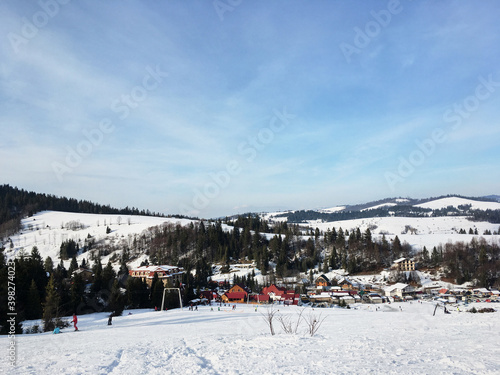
{"points": [[361, 341]]}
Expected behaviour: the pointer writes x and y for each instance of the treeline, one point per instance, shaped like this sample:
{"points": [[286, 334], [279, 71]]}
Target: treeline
{"points": [[17, 203], [477, 262], [492, 216], [399, 210]]}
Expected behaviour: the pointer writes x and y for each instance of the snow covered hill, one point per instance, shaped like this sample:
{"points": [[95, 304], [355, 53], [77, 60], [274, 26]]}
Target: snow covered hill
{"points": [[418, 231], [425, 230], [361, 340], [48, 229], [457, 201]]}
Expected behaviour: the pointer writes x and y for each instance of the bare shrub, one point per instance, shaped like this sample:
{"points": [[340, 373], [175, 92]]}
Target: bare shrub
{"points": [[313, 323], [288, 325]]}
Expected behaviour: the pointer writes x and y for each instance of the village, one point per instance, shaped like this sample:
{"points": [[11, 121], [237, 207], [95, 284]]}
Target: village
{"points": [[335, 289]]}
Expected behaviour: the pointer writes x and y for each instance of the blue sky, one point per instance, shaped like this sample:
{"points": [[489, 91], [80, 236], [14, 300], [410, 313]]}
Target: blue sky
{"points": [[213, 108]]}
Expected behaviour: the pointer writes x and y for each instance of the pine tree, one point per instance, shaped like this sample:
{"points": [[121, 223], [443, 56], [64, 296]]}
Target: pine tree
{"points": [[156, 291], [425, 256], [73, 266], [33, 304], [51, 306], [334, 258], [77, 291], [48, 265], [116, 302]]}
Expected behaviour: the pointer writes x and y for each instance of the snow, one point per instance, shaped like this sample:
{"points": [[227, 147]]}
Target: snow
{"points": [[430, 231], [360, 340], [456, 201], [402, 200], [48, 229], [333, 209], [389, 204]]}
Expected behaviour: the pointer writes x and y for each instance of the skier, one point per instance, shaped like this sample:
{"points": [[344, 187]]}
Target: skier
{"points": [[110, 319], [75, 320]]}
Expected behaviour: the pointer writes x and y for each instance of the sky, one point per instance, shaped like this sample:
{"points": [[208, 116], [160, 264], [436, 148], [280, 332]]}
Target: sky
{"points": [[214, 108]]}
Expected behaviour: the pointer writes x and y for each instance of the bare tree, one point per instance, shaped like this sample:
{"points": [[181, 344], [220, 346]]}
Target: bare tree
{"points": [[269, 317]]}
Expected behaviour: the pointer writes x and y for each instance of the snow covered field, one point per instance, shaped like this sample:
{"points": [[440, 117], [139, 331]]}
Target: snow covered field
{"points": [[356, 341]]}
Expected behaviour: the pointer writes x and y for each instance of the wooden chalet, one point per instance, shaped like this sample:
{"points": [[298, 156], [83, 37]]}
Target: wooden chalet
{"points": [[237, 294]]}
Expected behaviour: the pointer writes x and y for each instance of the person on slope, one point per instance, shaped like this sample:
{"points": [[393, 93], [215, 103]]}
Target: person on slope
{"points": [[75, 320]]}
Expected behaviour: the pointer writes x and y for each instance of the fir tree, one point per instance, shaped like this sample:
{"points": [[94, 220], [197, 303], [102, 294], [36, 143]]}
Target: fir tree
{"points": [[33, 304], [51, 306]]}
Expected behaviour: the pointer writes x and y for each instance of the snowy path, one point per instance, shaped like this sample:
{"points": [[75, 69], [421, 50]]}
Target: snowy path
{"points": [[362, 341]]}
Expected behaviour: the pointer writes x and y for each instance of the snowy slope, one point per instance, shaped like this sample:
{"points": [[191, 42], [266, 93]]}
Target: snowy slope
{"points": [[355, 341], [333, 209], [456, 201], [389, 204], [48, 229], [430, 231]]}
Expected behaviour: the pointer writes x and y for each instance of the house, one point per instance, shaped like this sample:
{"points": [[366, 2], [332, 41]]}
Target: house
{"points": [[259, 298], [398, 290], [209, 295], [290, 299], [347, 284], [404, 264], [274, 292], [322, 281], [482, 292], [321, 298], [234, 297], [237, 294], [165, 273], [375, 298], [86, 274]]}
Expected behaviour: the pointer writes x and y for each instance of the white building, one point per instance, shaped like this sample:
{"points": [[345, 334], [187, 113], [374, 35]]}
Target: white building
{"points": [[398, 289]]}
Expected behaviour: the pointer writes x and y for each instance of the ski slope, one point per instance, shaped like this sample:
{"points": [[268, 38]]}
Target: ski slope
{"points": [[355, 341]]}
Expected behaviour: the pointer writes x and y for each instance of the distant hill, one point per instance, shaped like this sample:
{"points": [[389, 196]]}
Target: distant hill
{"points": [[482, 208], [17, 203], [493, 197]]}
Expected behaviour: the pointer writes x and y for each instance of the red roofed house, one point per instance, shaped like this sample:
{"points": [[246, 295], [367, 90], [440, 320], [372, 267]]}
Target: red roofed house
{"points": [[290, 298], [281, 294], [274, 292]]}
